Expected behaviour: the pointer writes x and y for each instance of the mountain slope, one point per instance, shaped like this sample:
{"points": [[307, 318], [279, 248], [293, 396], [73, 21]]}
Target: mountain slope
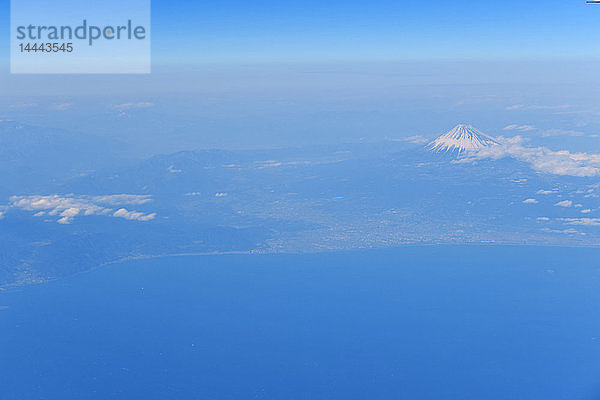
{"points": [[461, 139]]}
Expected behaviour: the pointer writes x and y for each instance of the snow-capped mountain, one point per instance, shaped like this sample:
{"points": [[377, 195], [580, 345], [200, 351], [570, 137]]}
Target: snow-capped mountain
{"points": [[462, 138]]}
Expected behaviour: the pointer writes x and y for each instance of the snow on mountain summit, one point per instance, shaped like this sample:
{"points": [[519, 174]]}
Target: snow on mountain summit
{"points": [[462, 138]]}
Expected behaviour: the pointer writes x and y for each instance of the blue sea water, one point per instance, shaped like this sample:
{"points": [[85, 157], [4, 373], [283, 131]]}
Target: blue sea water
{"points": [[447, 322]]}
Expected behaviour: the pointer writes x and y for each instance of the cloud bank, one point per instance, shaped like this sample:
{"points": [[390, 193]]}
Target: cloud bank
{"points": [[67, 207], [541, 159]]}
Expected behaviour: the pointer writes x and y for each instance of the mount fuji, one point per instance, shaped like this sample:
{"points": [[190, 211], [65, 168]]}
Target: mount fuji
{"points": [[461, 139]]}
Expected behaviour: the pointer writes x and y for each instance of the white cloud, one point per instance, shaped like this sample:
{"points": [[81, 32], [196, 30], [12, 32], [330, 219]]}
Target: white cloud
{"points": [[122, 109], [586, 211], [416, 139], [130, 106], [537, 107], [546, 191], [220, 194], [1, 215], [68, 215], [269, 164], [561, 132], [541, 159], [520, 128], [173, 170], [67, 207], [70, 212], [581, 221], [530, 201], [564, 203], [564, 231], [544, 219], [19, 106], [61, 106], [133, 215], [275, 163], [123, 199]]}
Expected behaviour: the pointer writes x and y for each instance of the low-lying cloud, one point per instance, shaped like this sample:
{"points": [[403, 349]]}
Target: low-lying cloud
{"points": [[133, 215], [541, 159], [67, 207], [581, 221]]}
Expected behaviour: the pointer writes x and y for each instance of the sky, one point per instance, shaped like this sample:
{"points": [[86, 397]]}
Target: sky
{"points": [[223, 31], [320, 31], [229, 73]]}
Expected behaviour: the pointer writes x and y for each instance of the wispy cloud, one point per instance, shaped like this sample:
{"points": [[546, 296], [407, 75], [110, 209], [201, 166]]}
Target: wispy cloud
{"points": [[130, 106], [122, 109], [564, 203], [20, 106], [581, 221], [520, 128], [542, 191], [174, 170], [530, 201], [124, 199], [561, 132], [416, 139], [61, 106], [564, 231], [275, 163], [538, 107]]}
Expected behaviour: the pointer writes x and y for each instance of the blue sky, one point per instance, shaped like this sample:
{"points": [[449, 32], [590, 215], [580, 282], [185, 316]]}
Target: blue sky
{"points": [[314, 31], [373, 30]]}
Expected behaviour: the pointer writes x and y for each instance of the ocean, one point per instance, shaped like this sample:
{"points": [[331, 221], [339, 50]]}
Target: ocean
{"points": [[424, 322]]}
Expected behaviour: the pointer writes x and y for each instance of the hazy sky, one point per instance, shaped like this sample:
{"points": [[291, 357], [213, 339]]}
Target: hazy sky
{"points": [[369, 30], [229, 73]]}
